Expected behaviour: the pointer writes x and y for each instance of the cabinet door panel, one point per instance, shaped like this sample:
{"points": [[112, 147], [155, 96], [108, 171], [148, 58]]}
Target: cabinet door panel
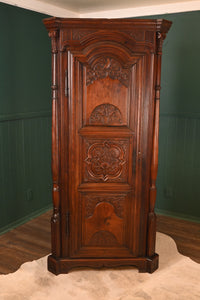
{"points": [[105, 178], [105, 160], [104, 218], [106, 103]]}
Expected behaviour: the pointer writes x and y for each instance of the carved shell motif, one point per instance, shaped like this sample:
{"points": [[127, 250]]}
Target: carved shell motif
{"points": [[117, 202], [107, 67], [105, 114], [105, 160], [103, 238]]}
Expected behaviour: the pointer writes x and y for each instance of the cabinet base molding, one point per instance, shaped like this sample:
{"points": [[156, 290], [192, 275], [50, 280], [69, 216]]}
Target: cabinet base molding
{"points": [[64, 265]]}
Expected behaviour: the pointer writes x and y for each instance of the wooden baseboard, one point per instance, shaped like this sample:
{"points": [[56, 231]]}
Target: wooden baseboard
{"points": [[177, 215], [25, 219]]}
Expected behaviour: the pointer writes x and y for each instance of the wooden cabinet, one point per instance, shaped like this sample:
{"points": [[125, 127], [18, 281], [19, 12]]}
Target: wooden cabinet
{"points": [[105, 122]]}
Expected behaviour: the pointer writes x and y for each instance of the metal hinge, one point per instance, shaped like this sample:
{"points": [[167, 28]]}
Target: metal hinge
{"points": [[67, 224], [66, 84]]}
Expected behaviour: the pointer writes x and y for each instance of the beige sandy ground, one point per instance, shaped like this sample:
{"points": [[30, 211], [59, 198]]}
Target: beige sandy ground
{"points": [[177, 278]]}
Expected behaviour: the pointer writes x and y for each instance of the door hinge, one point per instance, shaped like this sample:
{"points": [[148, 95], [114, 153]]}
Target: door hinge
{"points": [[67, 224], [66, 84]]}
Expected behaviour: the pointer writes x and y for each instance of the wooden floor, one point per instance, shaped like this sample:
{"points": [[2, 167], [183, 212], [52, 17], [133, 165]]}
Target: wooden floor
{"points": [[32, 240]]}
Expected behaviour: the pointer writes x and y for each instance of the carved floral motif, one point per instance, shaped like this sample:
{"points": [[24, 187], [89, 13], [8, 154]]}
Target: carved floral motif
{"points": [[138, 35], [78, 34], [116, 201], [105, 160], [107, 67], [142, 36], [105, 114]]}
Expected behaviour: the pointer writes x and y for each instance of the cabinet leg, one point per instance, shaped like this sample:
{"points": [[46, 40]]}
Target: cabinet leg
{"points": [[151, 265], [53, 265]]}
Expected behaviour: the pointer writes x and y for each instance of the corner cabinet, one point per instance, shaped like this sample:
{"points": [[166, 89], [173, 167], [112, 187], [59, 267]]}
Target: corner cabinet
{"points": [[105, 123]]}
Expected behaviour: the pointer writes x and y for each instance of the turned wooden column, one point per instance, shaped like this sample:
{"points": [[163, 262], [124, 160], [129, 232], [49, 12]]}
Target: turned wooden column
{"points": [[55, 220]]}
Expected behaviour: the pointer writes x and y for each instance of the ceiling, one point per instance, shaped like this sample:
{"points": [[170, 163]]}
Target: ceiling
{"points": [[106, 8], [85, 6]]}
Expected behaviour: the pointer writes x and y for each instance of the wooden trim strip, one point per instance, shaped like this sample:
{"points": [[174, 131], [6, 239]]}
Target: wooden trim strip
{"points": [[154, 162], [25, 115]]}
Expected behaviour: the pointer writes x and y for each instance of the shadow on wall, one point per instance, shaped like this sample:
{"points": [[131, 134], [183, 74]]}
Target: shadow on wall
{"points": [[179, 160], [25, 116]]}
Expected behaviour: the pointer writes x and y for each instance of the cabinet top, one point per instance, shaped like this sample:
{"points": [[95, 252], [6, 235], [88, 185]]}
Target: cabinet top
{"points": [[160, 25]]}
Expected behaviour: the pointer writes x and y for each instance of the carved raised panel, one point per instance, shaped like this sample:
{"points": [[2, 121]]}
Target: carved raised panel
{"points": [[106, 102], [105, 114], [116, 201], [104, 67], [103, 226], [105, 160]]}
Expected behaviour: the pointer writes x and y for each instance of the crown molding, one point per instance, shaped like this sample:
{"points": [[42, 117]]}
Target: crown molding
{"points": [[56, 11], [175, 7], [43, 7]]}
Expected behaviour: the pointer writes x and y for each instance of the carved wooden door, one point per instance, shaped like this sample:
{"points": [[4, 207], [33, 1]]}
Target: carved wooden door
{"points": [[108, 111]]}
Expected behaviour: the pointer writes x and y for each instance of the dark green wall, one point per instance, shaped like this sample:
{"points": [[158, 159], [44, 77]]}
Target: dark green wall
{"points": [[179, 159], [25, 116]]}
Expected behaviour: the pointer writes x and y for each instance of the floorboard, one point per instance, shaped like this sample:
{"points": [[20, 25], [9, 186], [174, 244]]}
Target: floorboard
{"points": [[186, 235], [32, 240]]}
